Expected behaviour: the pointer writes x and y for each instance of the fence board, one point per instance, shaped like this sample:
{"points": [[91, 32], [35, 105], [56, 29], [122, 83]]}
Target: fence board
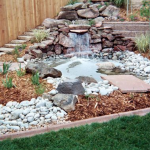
{"points": [[18, 16]]}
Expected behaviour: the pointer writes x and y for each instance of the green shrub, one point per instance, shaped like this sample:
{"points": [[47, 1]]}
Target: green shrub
{"points": [[40, 89], [5, 68], [40, 35], [35, 79], [16, 51], [19, 72], [91, 22], [142, 42], [71, 2], [8, 83], [145, 9], [119, 3], [132, 17]]}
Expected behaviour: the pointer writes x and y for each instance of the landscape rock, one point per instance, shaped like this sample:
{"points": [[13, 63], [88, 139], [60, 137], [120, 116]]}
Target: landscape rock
{"points": [[88, 13], [69, 15], [65, 101], [86, 79], [106, 65], [111, 11], [71, 87], [43, 69]]}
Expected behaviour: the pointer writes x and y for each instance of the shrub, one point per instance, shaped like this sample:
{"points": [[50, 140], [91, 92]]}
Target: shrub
{"points": [[40, 35], [71, 2], [19, 72], [119, 3], [132, 17], [16, 51], [145, 9], [142, 42], [5, 68], [35, 79], [8, 83], [91, 22], [40, 89]]}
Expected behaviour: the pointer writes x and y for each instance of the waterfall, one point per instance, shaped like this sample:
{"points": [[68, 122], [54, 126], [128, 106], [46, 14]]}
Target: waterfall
{"points": [[81, 44]]}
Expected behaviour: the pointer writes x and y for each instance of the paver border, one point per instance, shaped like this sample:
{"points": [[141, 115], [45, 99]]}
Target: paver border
{"points": [[101, 119]]}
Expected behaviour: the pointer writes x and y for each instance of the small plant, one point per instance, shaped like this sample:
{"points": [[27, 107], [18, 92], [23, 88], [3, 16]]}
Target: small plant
{"points": [[142, 42], [71, 2], [99, 6], [35, 79], [40, 35], [40, 89], [16, 51], [5, 68], [145, 9], [133, 17], [23, 46], [8, 83], [119, 3], [19, 72], [91, 22]]}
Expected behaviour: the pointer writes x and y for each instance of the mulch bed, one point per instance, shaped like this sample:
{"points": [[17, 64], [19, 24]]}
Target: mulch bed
{"points": [[23, 90], [95, 106]]}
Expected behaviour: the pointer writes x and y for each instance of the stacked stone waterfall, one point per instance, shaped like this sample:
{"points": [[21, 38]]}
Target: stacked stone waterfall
{"points": [[81, 19]]}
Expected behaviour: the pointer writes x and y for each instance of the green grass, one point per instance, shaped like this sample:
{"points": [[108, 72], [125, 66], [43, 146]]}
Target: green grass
{"points": [[127, 133]]}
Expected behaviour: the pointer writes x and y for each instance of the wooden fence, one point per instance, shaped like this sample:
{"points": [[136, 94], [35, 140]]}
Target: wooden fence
{"points": [[18, 16]]}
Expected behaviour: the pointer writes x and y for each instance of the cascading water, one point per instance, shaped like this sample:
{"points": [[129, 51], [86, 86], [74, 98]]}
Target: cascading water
{"points": [[81, 44]]}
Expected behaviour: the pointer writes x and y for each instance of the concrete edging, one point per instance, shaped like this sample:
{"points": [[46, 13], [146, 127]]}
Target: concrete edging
{"points": [[101, 119]]}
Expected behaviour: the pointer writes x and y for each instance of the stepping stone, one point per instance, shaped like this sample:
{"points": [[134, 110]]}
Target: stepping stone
{"points": [[12, 45], [128, 83], [19, 41], [13, 67], [25, 37], [29, 33], [2, 53], [40, 27], [6, 50]]}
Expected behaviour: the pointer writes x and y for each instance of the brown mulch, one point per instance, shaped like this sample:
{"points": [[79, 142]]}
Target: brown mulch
{"points": [[23, 90], [95, 106], [11, 57], [146, 55]]}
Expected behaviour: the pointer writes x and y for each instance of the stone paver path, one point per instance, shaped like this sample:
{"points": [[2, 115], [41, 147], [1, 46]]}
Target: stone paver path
{"points": [[127, 83]]}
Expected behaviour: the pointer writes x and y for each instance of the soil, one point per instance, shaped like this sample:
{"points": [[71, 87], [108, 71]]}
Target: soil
{"points": [[23, 88], [94, 106]]}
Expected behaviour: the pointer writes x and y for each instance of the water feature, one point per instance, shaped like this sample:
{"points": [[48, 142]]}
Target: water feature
{"points": [[81, 44]]}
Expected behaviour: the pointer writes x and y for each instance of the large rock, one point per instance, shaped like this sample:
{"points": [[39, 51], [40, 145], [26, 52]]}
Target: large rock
{"points": [[86, 79], [106, 65], [65, 41], [43, 69], [98, 20], [37, 53], [49, 23], [65, 101], [69, 15], [71, 87], [88, 13], [111, 11], [67, 8]]}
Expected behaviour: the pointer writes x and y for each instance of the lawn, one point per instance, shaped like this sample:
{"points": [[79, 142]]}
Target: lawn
{"points": [[127, 133]]}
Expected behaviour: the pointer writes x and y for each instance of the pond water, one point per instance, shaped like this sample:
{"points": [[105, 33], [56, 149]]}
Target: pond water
{"points": [[75, 67]]}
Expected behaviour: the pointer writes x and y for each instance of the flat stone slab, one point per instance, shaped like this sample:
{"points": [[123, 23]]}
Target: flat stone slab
{"points": [[79, 31], [13, 67], [128, 83]]}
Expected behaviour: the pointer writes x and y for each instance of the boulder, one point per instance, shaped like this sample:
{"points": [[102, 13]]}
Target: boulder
{"points": [[98, 20], [65, 101], [43, 69], [37, 53], [96, 47], [49, 23], [107, 44], [106, 65], [110, 37], [86, 79], [77, 6], [27, 57], [58, 49], [69, 15], [65, 41], [78, 27], [67, 8], [88, 13], [102, 8], [71, 87], [111, 11]]}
